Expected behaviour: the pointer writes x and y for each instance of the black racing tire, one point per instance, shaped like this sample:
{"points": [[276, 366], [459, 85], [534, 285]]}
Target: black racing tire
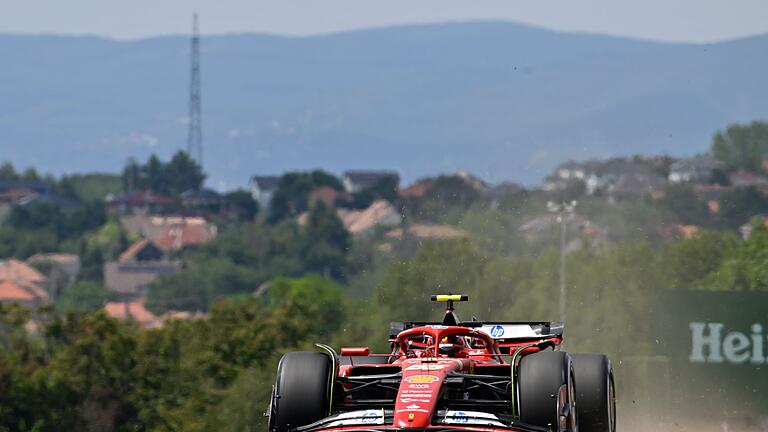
{"points": [[302, 390], [596, 393], [542, 375]]}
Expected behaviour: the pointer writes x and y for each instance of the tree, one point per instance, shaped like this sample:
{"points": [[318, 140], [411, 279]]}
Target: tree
{"points": [[439, 267], [687, 264], [742, 146], [746, 269], [131, 177], [8, 172], [325, 241], [681, 200], [83, 296], [193, 289], [384, 188], [739, 205], [181, 173], [291, 196], [242, 202]]}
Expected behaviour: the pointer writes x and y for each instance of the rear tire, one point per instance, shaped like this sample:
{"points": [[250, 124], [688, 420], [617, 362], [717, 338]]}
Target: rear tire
{"points": [[546, 388], [301, 394], [596, 393]]}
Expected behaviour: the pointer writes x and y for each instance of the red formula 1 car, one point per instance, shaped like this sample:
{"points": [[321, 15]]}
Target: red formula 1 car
{"points": [[445, 377]]}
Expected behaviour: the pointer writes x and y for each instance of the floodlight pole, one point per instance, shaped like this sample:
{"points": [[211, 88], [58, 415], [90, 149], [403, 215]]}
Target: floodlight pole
{"points": [[564, 212]]}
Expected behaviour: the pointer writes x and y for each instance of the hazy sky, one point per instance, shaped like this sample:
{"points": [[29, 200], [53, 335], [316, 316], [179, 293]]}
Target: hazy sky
{"points": [[675, 20]]}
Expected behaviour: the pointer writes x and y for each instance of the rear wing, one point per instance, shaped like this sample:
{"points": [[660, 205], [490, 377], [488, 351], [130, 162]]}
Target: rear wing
{"points": [[511, 331]]}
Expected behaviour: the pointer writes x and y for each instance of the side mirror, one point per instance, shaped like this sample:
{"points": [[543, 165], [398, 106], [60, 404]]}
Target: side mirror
{"points": [[355, 352]]}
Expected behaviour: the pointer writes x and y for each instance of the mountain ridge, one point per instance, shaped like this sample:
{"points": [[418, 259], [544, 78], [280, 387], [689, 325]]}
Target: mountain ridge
{"points": [[506, 101]]}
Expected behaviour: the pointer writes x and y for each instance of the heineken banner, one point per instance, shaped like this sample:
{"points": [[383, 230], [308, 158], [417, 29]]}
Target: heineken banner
{"points": [[717, 349]]}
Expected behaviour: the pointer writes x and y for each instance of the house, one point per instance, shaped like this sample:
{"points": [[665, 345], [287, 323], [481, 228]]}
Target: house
{"points": [[699, 169], [132, 311], [12, 196], [19, 271], [20, 283], [184, 236], [204, 197], [362, 222], [137, 267], [25, 193], [379, 214], [33, 186], [140, 202], [66, 264], [170, 232], [24, 294], [263, 188], [61, 202], [597, 176], [743, 178], [356, 181]]}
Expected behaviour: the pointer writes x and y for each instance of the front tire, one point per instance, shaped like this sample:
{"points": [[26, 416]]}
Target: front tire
{"points": [[301, 395], [547, 391], [596, 393]]}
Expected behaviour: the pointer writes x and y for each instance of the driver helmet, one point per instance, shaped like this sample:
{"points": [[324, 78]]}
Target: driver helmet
{"points": [[450, 346]]}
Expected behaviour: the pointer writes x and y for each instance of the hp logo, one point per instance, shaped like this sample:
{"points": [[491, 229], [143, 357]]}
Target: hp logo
{"points": [[460, 417], [497, 331]]}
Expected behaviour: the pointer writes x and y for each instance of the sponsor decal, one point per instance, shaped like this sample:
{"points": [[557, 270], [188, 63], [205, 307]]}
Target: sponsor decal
{"points": [[374, 416], [427, 367], [418, 386], [497, 331], [460, 417], [710, 344], [421, 379], [422, 410], [471, 417], [414, 406], [416, 392], [370, 417]]}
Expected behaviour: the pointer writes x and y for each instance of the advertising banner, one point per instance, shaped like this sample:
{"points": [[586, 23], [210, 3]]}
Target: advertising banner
{"points": [[717, 349]]}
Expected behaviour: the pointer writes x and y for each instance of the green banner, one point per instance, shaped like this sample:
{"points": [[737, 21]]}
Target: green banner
{"points": [[717, 346]]}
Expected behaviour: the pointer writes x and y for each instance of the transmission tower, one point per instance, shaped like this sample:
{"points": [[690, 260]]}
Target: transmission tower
{"points": [[195, 135]]}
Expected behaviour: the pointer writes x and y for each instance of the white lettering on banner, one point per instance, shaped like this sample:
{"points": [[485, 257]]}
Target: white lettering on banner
{"points": [[758, 357], [711, 341], [735, 347], [709, 346]]}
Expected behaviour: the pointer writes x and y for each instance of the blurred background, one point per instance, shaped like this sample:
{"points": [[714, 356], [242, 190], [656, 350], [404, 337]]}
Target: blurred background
{"points": [[188, 190]]}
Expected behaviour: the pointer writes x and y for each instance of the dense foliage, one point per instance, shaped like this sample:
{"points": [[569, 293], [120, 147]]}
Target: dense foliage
{"points": [[272, 281], [89, 372], [179, 174]]}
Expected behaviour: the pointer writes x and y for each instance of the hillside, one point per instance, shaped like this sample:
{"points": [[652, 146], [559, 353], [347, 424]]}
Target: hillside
{"points": [[503, 100]]}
